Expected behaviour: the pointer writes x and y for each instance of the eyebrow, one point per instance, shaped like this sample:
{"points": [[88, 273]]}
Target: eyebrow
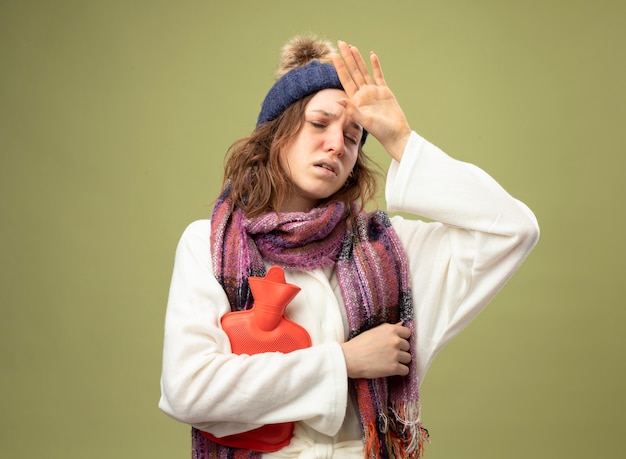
{"points": [[334, 115]]}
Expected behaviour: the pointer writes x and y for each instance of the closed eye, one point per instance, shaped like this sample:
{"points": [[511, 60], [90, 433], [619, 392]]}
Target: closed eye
{"points": [[350, 138], [348, 135]]}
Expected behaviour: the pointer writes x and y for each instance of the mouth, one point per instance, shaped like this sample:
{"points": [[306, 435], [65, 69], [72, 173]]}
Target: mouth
{"points": [[327, 167]]}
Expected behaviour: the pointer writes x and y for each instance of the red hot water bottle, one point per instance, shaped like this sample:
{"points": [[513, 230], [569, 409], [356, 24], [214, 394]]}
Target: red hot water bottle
{"points": [[264, 328]]}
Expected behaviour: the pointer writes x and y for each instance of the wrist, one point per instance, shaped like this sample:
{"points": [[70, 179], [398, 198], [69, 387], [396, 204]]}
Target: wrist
{"points": [[395, 147], [350, 370]]}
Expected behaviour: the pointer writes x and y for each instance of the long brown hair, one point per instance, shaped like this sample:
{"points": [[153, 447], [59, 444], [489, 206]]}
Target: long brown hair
{"points": [[259, 183]]}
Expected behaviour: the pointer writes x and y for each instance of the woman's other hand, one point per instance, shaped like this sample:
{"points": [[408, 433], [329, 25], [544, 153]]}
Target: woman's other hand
{"points": [[379, 352]]}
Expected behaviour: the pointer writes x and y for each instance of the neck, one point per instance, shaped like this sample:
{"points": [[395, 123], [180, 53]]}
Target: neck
{"points": [[297, 204]]}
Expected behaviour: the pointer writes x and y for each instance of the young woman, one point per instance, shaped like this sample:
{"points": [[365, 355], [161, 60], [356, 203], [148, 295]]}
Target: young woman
{"points": [[379, 296]]}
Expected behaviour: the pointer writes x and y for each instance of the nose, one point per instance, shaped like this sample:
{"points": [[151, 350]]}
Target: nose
{"points": [[335, 142]]}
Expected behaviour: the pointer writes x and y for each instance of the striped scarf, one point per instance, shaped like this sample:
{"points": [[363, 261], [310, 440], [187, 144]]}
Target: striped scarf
{"points": [[373, 277]]}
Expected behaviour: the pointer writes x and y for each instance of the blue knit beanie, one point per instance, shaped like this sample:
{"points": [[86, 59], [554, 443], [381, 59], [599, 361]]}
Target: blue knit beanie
{"points": [[296, 84]]}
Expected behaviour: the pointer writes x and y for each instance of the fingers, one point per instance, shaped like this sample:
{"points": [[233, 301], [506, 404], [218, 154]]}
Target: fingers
{"points": [[377, 70], [351, 68], [361, 74], [403, 345], [400, 347], [344, 75]]}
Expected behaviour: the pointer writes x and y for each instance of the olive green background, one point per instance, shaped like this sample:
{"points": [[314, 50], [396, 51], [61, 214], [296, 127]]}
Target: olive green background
{"points": [[114, 118]]}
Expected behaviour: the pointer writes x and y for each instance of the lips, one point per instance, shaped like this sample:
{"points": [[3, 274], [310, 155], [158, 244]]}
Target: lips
{"points": [[327, 166]]}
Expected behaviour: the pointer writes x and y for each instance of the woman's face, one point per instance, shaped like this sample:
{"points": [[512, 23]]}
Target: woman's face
{"points": [[323, 153]]}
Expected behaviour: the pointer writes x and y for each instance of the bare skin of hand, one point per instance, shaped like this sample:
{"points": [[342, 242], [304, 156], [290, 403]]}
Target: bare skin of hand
{"points": [[379, 352], [370, 102]]}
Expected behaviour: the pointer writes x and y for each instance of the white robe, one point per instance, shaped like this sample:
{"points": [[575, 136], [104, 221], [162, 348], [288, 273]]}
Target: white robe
{"points": [[476, 237]]}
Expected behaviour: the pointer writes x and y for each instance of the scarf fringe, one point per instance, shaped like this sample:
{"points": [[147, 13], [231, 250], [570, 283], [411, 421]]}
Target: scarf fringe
{"points": [[404, 435], [372, 442], [408, 423]]}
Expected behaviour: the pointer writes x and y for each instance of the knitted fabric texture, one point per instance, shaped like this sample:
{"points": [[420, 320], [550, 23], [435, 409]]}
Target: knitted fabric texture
{"points": [[373, 276], [296, 84]]}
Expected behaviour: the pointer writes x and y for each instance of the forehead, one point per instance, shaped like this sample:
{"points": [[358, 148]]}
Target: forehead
{"points": [[325, 103], [326, 98]]}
